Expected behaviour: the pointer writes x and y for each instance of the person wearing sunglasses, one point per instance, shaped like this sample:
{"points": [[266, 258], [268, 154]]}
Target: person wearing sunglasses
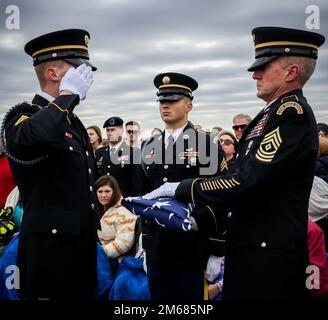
{"points": [[132, 129], [240, 122], [228, 143]]}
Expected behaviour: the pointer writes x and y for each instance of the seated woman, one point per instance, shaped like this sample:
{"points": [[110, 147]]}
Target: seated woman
{"points": [[117, 222]]}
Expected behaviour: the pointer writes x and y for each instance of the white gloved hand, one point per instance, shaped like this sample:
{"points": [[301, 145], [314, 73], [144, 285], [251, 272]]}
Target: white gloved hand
{"points": [[193, 223], [165, 190], [77, 81]]}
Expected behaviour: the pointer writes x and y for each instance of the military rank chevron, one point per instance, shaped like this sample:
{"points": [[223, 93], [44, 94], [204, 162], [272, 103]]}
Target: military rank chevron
{"points": [[269, 146]]}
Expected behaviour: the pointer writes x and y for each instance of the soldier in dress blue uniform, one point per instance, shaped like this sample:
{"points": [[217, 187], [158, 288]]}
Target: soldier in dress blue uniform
{"points": [[266, 246], [119, 159], [53, 165], [176, 261]]}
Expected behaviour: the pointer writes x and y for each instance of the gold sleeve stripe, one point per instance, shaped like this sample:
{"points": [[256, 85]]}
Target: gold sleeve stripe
{"points": [[62, 110], [219, 183], [21, 119], [232, 183], [192, 190], [202, 186], [216, 185], [211, 185], [214, 218], [235, 181], [227, 182], [225, 186]]}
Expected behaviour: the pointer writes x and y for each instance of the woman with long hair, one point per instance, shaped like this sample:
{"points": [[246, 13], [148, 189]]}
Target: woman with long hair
{"points": [[117, 223], [95, 137]]}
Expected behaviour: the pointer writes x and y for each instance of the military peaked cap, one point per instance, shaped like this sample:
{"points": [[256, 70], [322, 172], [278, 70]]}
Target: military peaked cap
{"points": [[274, 42], [174, 86], [70, 45]]}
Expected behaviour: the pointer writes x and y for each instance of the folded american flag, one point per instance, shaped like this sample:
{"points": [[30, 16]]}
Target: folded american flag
{"points": [[166, 212]]}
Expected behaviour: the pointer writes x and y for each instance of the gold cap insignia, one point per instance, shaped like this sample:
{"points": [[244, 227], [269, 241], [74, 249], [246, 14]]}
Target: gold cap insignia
{"points": [[166, 80]]}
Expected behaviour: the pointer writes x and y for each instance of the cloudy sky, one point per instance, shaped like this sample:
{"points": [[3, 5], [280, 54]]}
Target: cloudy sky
{"points": [[133, 40]]}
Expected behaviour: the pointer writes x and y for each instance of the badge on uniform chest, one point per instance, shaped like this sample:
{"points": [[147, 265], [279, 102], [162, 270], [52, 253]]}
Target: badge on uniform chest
{"points": [[258, 129], [99, 162], [190, 155], [123, 158], [150, 155]]}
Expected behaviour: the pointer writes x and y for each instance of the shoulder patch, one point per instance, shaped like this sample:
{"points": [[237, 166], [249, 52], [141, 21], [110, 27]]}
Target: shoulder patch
{"points": [[289, 98], [21, 119], [289, 104], [269, 146]]}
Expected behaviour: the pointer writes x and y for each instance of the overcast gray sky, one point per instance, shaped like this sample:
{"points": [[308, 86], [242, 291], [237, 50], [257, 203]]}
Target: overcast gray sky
{"points": [[133, 40]]}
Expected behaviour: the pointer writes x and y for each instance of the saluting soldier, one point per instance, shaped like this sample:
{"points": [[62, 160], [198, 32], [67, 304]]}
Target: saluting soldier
{"points": [[266, 246], [119, 159], [176, 261], [53, 165]]}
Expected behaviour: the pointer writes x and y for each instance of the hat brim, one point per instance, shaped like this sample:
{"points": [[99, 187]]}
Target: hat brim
{"points": [[260, 62], [173, 97], [78, 62]]}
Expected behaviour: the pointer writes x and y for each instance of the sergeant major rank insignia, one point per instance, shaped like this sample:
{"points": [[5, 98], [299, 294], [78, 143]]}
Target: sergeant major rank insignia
{"points": [[269, 146]]}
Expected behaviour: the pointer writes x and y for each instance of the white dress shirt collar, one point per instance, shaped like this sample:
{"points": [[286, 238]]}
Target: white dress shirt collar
{"points": [[46, 96], [175, 134]]}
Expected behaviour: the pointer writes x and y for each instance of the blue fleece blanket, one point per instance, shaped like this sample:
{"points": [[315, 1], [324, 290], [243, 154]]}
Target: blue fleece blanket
{"points": [[105, 276], [131, 281]]}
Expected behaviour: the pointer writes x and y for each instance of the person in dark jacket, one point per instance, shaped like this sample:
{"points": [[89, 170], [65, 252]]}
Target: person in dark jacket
{"points": [[53, 164], [266, 244], [119, 159]]}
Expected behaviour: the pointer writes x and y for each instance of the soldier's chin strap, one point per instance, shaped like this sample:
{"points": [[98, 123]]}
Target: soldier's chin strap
{"points": [[4, 146]]}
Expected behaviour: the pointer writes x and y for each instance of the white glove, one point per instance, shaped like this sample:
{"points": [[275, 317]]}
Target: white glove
{"points": [[77, 81], [165, 190], [193, 223]]}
